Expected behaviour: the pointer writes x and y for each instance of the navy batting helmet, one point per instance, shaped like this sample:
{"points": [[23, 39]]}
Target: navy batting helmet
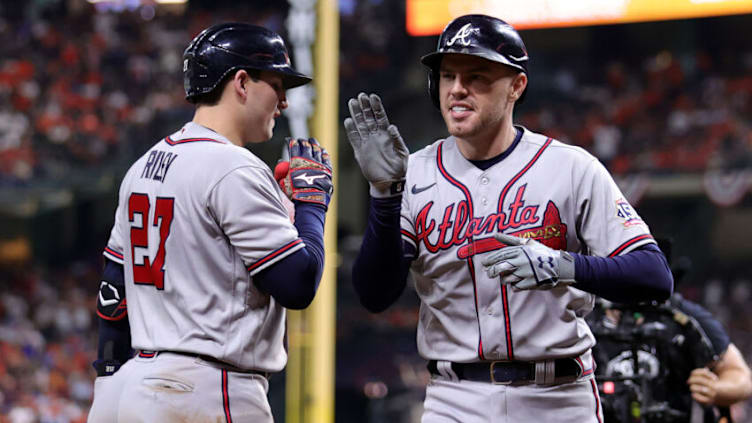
{"points": [[228, 47], [477, 35]]}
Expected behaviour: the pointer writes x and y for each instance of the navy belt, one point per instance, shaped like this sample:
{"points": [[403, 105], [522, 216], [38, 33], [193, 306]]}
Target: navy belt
{"points": [[505, 372], [207, 358]]}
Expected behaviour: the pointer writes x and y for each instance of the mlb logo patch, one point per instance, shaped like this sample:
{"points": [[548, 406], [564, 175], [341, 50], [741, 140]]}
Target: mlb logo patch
{"points": [[627, 213]]}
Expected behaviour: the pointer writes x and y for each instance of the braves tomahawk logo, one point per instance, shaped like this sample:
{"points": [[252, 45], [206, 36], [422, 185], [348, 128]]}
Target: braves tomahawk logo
{"points": [[463, 36]]}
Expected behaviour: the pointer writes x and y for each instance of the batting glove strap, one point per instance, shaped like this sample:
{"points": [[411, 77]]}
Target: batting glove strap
{"points": [[387, 189], [566, 268]]}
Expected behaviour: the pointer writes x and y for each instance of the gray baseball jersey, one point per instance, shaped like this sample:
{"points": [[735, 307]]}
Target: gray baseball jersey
{"points": [[556, 193], [197, 218]]}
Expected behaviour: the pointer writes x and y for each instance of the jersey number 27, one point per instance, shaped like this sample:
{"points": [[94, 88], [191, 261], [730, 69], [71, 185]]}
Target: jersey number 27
{"points": [[149, 273]]}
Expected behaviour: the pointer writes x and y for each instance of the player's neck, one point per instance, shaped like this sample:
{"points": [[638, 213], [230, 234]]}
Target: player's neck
{"points": [[485, 146], [220, 121]]}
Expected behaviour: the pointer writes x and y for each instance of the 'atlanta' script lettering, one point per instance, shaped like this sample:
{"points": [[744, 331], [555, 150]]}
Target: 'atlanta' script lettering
{"points": [[456, 225]]}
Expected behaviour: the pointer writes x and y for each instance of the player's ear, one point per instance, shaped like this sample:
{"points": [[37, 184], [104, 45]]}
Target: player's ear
{"points": [[240, 82], [519, 82]]}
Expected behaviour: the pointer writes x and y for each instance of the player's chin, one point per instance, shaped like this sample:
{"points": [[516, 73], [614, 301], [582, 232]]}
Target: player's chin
{"points": [[460, 129]]}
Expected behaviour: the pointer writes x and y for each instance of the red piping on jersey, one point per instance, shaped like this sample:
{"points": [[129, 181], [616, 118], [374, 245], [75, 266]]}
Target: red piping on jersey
{"points": [[113, 253], [500, 208], [587, 372], [629, 243], [170, 141], [507, 321], [147, 354], [226, 397], [520, 173], [597, 400], [471, 267], [274, 254]]}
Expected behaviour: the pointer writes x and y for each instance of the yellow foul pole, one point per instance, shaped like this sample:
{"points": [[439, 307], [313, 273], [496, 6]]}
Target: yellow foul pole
{"points": [[319, 379]]}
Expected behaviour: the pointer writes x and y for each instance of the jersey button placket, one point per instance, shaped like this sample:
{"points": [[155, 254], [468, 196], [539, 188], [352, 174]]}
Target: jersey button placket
{"points": [[483, 188]]}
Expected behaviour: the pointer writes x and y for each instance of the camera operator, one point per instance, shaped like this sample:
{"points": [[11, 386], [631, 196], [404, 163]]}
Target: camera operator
{"points": [[681, 352], [727, 380]]}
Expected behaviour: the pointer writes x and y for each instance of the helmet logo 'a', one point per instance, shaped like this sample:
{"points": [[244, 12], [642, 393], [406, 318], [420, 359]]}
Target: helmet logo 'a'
{"points": [[463, 35]]}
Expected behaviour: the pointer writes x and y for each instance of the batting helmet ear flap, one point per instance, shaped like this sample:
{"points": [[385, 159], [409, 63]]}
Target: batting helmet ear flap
{"points": [[433, 87]]}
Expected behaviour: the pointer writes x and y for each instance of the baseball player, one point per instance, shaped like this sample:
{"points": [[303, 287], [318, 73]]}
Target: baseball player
{"points": [[508, 234], [203, 249]]}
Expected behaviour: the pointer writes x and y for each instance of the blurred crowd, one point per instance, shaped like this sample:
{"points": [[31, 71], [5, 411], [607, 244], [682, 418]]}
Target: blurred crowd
{"points": [[47, 342], [82, 90], [673, 112], [85, 89]]}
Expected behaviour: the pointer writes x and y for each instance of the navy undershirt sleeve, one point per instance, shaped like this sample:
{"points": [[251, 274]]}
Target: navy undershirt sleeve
{"points": [[380, 271], [640, 275], [293, 281]]}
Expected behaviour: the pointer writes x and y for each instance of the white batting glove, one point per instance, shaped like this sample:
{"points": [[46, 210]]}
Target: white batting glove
{"points": [[527, 264], [378, 146]]}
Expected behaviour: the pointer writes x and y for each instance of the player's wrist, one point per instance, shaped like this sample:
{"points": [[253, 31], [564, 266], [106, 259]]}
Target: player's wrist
{"points": [[386, 189]]}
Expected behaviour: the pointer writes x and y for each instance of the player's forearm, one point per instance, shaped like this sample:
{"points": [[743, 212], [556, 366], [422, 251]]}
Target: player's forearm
{"points": [[639, 275], [294, 280], [380, 271], [114, 346]]}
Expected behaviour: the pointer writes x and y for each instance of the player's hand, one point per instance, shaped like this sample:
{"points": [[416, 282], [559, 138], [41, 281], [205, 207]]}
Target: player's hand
{"points": [[527, 264], [307, 177], [378, 146], [702, 385]]}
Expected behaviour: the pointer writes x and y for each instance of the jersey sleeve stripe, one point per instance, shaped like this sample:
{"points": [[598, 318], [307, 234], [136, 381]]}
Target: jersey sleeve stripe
{"points": [[630, 243], [170, 141], [275, 255], [410, 239], [113, 255], [409, 236]]}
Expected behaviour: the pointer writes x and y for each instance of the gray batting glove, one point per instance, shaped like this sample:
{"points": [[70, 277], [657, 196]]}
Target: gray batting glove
{"points": [[378, 146], [527, 264]]}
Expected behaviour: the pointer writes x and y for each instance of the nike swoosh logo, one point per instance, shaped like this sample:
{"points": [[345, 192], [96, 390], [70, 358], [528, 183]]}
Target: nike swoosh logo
{"points": [[416, 190]]}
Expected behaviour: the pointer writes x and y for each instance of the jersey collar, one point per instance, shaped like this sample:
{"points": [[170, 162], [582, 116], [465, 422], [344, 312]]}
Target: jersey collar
{"points": [[192, 131]]}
